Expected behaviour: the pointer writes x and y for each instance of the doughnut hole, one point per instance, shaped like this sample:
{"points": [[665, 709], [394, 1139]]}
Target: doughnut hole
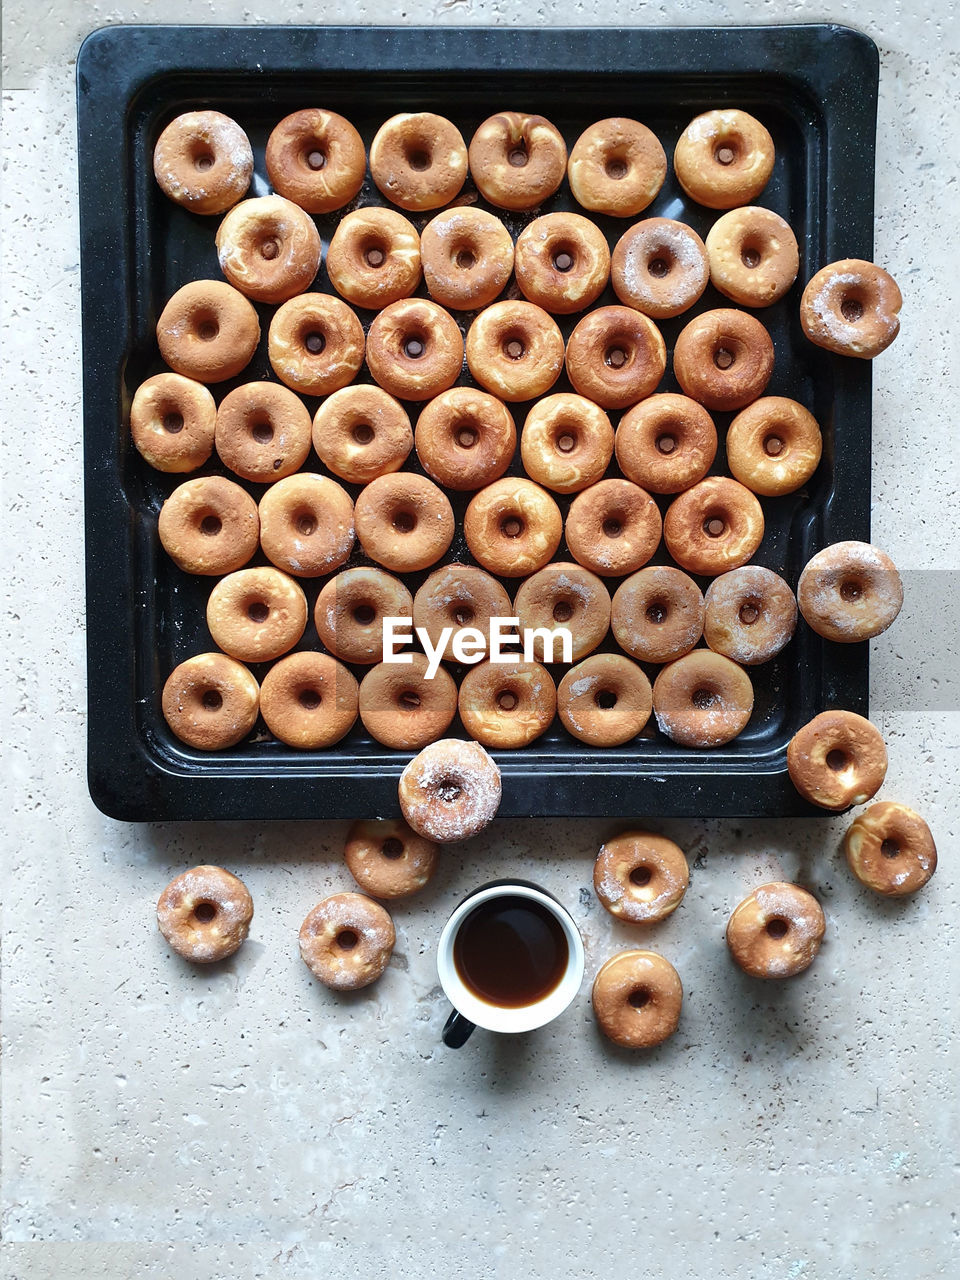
{"points": [[777, 927], [641, 876], [703, 698], [364, 614], [615, 166], [564, 256], [513, 345], [605, 699], [465, 434], [852, 306], [171, 420], [464, 257], [206, 326], [715, 524], [258, 611], [565, 439], [616, 356], [751, 254], [305, 522], [837, 760], [347, 939], [414, 344], [210, 524], [268, 247], [639, 997], [507, 700], [212, 700], [314, 157], [408, 700], [448, 790], [205, 911], [374, 251], [657, 612], [851, 589], [562, 611], [404, 521], [417, 155], [362, 433], [313, 339], [512, 526], [890, 849], [309, 698], [392, 848], [661, 262], [750, 612], [517, 157], [725, 354], [261, 429], [728, 150], [462, 613], [613, 523]]}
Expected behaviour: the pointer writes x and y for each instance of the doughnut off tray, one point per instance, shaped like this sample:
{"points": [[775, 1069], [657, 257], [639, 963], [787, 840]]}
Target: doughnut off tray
{"points": [[815, 89]]}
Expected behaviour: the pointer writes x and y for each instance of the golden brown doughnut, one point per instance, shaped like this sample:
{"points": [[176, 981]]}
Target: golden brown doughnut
{"points": [[657, 614], [209, 526], [851, 307], [401, 708], [516, 160], [414, 349], [515, 350], [723, 358], [564, 596], [387, 858], [507, 704], [450, 791], [346, 941], [263, 431], [255, 615], [659, 267], [306, 525], [753, 254], [172, 422], [268, 248], [776, 932], [308, 700], [637, 997], [205, 914], [315, 344], [350, 610], [567, 442], [702, 700], [666, 443], [361, 432], [374, 258], [724, 159], [850, 591], [316, 159], [465, 438], [467, 257], [210, 701], [459, 596], [751, 614], [418, 160], [204, 161], [617, 166], [562, 262], [512, 527], [837, 759], [615, 357], [404, 521], [890, 849], [604, 700], [715, 526], [773, 446], [208, 331], [640, 877], [613, 528]]}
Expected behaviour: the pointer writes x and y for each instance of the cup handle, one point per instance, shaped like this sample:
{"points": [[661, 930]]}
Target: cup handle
{"points": [[456, 1030]]}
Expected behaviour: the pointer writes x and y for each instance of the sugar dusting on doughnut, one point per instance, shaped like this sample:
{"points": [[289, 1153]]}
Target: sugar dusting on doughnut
{"points": [[450, 791]]}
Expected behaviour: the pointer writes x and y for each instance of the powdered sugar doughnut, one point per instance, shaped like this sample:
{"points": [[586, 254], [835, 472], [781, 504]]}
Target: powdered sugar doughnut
{"points": [[640, 877], [387, 858], [657, 614], [450, 791], [890, 849], [850, 591], [702, 700], [776, 932], [306, 525], [205, 914], [750, 615], [604, 700], [659, 267], [346, 941], [851, 307], [204, 161], [564, 595]]}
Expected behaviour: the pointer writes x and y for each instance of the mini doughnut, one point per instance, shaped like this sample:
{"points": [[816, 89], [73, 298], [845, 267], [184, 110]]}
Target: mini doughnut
{"points": [[637, 997], [268, 248], [346, 941], [640, 877], [513, 527], [350, 610], [516, 160], [204, 161], [172, 422], [467, 257], [702, 700], [404, 521], [306, 525], [562, 262], [724, 159], [604, 700], [450, 791], [615, 357], [374, 258], [567, 443], [507, 704], [210, 701], [850, 591], [418, 160], [361, 433], [659, 267], [715, 526], [205, 914], [751, 614], [837, 760], [315, 344], [209, 526], [387, 858], [308, 700], [613, 528], [617, 166], [666, 443], [890, 849], [255, 615], [515, 350], [776, 932], [723, 358], [263, 431], [773, 446], [753, 255], [401, 708], [465, 438], [564, 596], [851, 307], [316, 159], [208, 331], [414, 349], [460, 596], [657, 614]]}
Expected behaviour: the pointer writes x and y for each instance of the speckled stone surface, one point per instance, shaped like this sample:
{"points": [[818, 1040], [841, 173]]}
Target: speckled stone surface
{"points": [[161, 1120]]}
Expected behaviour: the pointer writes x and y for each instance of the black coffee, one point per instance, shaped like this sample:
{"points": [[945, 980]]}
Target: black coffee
{"points": [[510, 951]]}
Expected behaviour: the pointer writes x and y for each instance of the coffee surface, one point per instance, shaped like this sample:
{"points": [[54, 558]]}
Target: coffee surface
{"points": [[510, 951]]}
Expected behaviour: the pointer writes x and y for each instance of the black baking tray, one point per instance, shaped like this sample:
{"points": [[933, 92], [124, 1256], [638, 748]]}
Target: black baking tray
{"points": [[815, 87]]}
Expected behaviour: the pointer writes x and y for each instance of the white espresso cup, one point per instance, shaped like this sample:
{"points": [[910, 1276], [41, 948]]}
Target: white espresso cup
{"points": [[470, 1010]]}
